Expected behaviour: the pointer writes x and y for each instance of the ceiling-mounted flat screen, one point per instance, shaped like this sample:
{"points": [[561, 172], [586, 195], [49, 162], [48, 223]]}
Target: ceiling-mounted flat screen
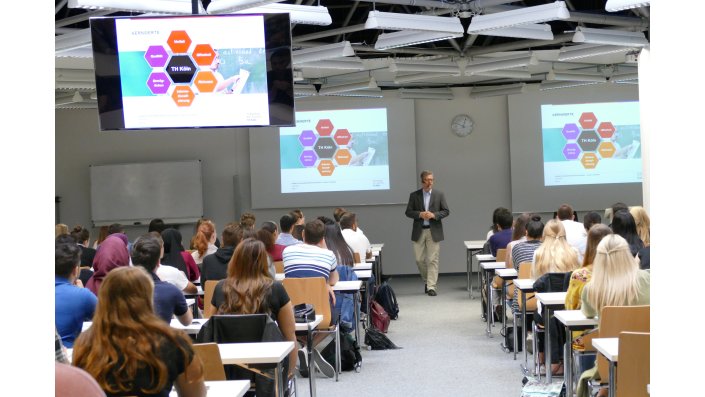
{"points": [[198, 71]]}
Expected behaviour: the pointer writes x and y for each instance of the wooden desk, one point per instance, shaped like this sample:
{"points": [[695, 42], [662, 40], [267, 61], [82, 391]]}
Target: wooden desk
{"points": [[609, 347], [279, 276], [246, 354], [525, 285], [377, 270], [362, 266], [551, 301], [353, 287], [471, 247], [489, 269], [191, 329], [481, 258], [224, 388], [505, 275], [573, 320]]}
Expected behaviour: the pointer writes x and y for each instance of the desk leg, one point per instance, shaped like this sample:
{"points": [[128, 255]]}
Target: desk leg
{"points": [[356, 302], [613, 380], [468, 264], [547, 345], [279, 380], [523, 333], [504, 307], [489, 315], [311, 365], [568, 362], [516, 336]]}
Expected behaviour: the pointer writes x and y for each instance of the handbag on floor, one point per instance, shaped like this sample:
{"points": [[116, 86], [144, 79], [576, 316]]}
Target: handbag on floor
{"points": [[379, 317]]}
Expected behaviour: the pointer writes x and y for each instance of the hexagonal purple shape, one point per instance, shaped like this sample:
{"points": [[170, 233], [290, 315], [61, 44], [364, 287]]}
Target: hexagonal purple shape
{"points": [[571, 151], [307, 138], [158, 83], [308, 158], [571, 131], [156, 56]]}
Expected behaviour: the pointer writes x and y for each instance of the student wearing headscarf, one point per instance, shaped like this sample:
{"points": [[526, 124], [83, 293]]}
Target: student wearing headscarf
{"points": [[111, 254]]}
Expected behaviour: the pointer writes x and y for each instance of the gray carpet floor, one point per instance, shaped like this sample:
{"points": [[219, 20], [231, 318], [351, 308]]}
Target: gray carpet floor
{"points": [[445, 351]]}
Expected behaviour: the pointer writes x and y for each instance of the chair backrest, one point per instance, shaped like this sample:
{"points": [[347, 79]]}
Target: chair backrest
{"points": [[356, 257], [616, 319], [501, 254], [208, 296], [634, 364], [525, 272], [212, 362], [279, 266], [312, 290], [238, 328], [553, 282]]}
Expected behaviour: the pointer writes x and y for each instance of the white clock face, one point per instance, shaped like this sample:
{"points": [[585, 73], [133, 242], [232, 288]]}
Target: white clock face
{"points": [[462, 125]]}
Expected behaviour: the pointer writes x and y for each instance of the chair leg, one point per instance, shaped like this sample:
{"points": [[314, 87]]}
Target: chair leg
{"points": [[537, 363], [337, 349]]}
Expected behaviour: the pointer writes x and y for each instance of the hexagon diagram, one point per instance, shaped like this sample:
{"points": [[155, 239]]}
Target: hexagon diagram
{"points": [[606, 149], [589, 160], [325, 147], [308, 158], [324, 127], [570, 131], [606, 130], [307, 138], [182, 95], [179, 41], [156, 56], [571, 151], [342, 137], [203, 54], [326, 167], [343, 157], [205, 81], [181, 69], [588, 141], [158, 83], [588, 120]]}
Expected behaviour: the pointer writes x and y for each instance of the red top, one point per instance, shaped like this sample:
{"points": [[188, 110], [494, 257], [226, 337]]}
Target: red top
{"points": [[191, 267], [276, 252]]}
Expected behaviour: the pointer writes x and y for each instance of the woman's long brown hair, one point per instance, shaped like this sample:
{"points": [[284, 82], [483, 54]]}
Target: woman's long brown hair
{"points": [[249, 283], [126, 334]]}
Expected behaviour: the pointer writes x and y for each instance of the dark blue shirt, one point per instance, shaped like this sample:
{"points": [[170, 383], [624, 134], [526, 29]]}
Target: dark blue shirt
{"points": [[500, 240], [72, 306], [168, 300]]}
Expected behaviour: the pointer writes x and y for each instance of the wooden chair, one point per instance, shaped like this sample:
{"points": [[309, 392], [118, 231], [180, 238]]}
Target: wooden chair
{"points": [[313, 290], [212, 362], [525, 272], [500, 257], [208, 290], [279, 266], [633, 373], [356, 257]]}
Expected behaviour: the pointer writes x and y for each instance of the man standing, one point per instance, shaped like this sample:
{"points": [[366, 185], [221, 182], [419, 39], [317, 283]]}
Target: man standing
{"points": [[427, 206]]}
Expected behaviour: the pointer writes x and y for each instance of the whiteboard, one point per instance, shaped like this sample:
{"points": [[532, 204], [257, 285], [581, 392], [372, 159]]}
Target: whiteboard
{"points": [[134, 194]]}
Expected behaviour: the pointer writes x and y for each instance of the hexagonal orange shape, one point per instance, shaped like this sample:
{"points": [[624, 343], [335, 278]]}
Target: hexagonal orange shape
{"points": [[606, 129], [588, 120], [205, 81], [178, 41], [606, 149], [342, 137], [183, 95], [324, 127], [203, 54], [343, 157], [326, 168], [589, 160]]}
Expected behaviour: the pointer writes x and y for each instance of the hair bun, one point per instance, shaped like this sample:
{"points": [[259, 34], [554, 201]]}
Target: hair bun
{"points": [[77, 229], [536, 218]]}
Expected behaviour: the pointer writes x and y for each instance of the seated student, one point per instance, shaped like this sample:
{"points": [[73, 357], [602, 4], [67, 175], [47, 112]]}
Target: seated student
{"points": [[156, 225], [575, 232], [111, 254], [518, 235], [286, 224], [623, 223], [129, 350], [169, 301], [298, 232], [82, 237], [616, 281], [267, 239], [215, 266], [358, 242], [248, 220], [248, 289], [299, 216], [503, 236], [643, 228], [204, 241], [175, 262], [60, 229], [276, 250], [591, 218], [524, 250], [73, 304]]}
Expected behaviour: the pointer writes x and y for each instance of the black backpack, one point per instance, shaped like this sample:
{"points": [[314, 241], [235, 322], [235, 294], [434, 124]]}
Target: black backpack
{"points": [[350, 357], [388, 300], [376, 340]]}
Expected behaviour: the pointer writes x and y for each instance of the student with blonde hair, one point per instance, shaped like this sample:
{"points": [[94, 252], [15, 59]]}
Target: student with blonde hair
{"points": [[554, 255], [129, 350], [643, 223], [60, 229]]}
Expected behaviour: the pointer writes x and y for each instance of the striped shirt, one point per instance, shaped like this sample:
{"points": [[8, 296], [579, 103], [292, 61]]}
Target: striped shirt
{"points": [[524, 252], [305, 260]]}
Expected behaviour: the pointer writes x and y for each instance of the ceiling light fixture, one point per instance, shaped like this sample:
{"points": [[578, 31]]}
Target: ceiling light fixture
{"points": [[562, 76], [625, 77], [370, 93], [589, 50], [610, 37], [154, 6], [500, 63], [619, 5], [429, 93], [351, 63], [328, 51], [230, 6], [394, 21], [419, 76], [482, 92], [507, 74], [304, 91], [335, 89], [72, 41], [307, 15], [451, 69], [520, 16], [529, 31], [411, 37], [553, 85]]}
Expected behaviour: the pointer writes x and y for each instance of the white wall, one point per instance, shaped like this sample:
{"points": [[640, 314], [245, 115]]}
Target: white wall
{"points": [[472, 171]]}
